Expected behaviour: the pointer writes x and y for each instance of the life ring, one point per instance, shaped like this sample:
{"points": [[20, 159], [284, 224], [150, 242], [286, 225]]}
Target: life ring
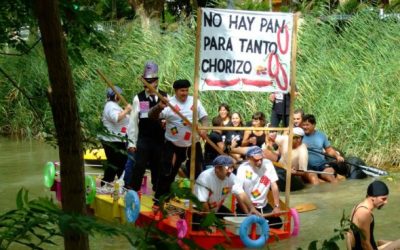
{"points": [[49, 174], [132, 206], [182, 228], [296, 221], [244, 228], [90, 189]]}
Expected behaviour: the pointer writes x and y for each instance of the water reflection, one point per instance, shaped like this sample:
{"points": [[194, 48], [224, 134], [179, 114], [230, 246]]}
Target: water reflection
{"points": [[21, 165]]}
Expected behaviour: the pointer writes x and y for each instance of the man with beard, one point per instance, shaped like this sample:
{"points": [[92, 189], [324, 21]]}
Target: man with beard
{"points": [[255, 178], [362, 216]]}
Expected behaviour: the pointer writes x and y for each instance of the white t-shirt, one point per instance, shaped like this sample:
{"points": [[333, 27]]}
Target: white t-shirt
{"points": [[299, 155], [177, 131], [110, 122], [255, 181], [209, 188]]}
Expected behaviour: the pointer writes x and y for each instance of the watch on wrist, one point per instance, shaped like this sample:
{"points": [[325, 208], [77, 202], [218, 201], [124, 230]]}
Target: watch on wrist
{"points": [[276, 206]]}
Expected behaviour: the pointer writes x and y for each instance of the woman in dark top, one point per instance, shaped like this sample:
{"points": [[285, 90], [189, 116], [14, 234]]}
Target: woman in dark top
{"points": [[253, 137], [237, 135]]}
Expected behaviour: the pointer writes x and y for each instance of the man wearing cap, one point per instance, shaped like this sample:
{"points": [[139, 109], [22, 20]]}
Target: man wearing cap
{"points": [[254, 179], [318, 144], [299, 161], [146, 136], [362, 216], [178, 134], [115, 120], [215, 184]]}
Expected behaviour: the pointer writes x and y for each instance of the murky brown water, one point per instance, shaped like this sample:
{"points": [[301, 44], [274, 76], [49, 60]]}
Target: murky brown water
{"points": [[21, 165]]}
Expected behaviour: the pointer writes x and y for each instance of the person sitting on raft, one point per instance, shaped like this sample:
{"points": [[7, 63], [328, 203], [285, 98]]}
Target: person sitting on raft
{"points": [[255, 177], [318, 143], [299, 160], [213, 186]]}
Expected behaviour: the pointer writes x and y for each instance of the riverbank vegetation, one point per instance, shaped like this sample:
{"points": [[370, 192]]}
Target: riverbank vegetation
{"points": [[347, 75]]}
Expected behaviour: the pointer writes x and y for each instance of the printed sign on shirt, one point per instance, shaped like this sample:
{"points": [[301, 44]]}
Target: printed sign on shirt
{"points": [[144, 107]]}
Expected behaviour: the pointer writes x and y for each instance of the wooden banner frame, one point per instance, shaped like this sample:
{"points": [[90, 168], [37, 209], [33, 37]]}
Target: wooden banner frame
{"points": [[291, 107]]}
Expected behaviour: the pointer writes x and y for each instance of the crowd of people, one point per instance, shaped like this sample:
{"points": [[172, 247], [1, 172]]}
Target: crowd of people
{"points": [[155, 132]]}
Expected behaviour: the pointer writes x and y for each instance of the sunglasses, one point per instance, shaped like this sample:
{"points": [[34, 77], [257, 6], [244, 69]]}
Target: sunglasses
{"points": [[151, 80]]}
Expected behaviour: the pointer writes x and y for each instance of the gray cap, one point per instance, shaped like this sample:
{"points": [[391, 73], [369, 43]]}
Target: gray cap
{"points": [[222, 160], [150, 70], [254, 151], [110, 93]]}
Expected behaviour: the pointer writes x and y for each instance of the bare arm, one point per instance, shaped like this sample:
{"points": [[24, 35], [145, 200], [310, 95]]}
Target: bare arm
{"points": [[246, 137], [363, 219], [246, 205], [330, 151], [275, 195]]}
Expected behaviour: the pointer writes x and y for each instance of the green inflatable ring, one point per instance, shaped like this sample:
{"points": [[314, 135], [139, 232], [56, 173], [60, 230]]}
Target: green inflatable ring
{"points": [[90, 189], [49, 174]]}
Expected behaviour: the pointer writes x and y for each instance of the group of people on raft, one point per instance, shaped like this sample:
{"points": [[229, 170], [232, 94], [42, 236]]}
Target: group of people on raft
{"points": [[160, 139], [155, 136]]}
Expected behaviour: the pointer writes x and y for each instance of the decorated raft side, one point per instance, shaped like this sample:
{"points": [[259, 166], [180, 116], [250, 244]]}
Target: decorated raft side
{"points": [[131, 207]]}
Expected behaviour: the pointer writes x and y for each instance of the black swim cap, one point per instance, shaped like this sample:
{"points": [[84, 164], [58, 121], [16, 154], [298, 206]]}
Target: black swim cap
{"points": [[377, 188]]}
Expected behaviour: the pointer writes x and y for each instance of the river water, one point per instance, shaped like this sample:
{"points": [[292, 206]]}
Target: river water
{"points": [[21, 165]]}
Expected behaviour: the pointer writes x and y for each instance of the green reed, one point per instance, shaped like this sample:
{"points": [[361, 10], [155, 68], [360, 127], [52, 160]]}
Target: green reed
{"points": [[347, 75]]}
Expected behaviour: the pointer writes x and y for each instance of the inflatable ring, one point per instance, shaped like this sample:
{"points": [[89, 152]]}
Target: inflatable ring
{"points": [[244, 228], [132, 199], [90, 188], [49, 174], [296, 220], [182, 228]]}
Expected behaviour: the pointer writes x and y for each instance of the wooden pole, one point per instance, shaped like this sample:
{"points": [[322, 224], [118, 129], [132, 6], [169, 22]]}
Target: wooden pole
{"points": [[111, 85], [195, 99], [291, 107], [184, 118]]}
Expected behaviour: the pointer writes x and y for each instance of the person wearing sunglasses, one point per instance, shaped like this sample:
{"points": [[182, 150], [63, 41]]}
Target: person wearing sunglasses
{"points": [[146, 136]]}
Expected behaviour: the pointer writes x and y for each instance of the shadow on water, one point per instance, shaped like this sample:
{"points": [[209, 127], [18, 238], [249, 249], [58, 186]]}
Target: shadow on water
{"points": [[21, 165]]}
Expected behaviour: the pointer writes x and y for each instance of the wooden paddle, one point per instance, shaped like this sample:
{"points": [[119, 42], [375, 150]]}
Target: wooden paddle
{"points": [[111, 85], [305, 207], [369, 170]]}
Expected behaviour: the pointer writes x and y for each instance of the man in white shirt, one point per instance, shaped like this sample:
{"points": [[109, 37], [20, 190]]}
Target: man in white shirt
{"points": [[178, 134], [254, 179], [215, 184]]}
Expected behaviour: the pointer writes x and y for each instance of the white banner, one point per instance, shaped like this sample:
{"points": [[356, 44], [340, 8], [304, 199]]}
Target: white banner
{"points": [[245, 50]]}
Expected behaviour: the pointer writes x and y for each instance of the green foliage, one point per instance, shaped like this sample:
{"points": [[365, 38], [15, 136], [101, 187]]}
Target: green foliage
{"points": [[347, 74], [38, 223], [254, 5], [348, 80]]}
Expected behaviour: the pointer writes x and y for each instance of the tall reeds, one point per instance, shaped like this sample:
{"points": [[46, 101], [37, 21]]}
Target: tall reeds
{"points": [[347, 74]]}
